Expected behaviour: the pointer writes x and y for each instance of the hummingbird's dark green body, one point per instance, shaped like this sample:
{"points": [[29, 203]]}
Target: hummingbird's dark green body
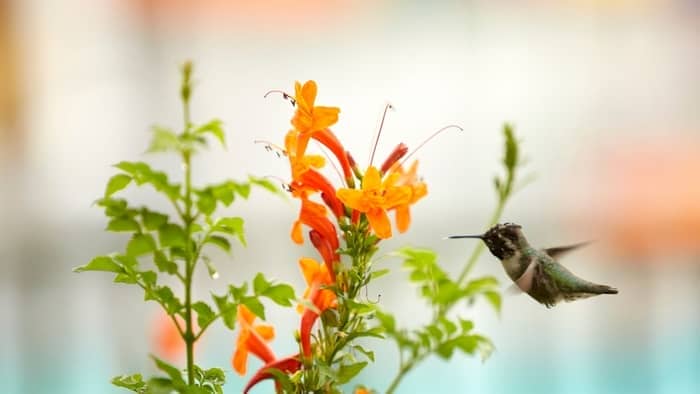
{"points": [[536, 271]]}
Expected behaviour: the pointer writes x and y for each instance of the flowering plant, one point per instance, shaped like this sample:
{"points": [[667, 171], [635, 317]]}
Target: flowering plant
{"points": [[344, 221]]}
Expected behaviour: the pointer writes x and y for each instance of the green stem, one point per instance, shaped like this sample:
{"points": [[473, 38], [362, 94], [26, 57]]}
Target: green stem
{"points": [[476, 252], [473, 258], [189, 269], [403, 371]]}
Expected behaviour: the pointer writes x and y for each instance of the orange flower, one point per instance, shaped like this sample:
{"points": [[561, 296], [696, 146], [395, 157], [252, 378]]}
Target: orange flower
{"points": [[309, 118], [362, 390], [314, 215], [418, 190], [375, 198], [167, 341], [251, 339], [316, 276]]}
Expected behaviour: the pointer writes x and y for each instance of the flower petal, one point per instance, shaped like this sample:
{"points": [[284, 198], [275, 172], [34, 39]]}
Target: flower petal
{"points": [[267, 332], [354, 199], [379, 221], [403, 218], [240, 360], [372, 179]]}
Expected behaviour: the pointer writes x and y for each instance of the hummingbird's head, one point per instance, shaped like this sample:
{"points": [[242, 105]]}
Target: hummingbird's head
{"points": [[503, 240]]}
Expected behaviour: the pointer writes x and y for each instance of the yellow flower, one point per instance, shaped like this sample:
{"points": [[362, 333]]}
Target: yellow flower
{"points": [[375, 198]]}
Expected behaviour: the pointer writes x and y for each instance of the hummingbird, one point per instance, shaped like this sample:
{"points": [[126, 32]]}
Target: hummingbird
{"points": [[537, 271]]}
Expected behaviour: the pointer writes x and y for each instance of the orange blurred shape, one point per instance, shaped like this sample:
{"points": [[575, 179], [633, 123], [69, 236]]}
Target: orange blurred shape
{"points": [[167, 342], [649, 197], [281, 13]]}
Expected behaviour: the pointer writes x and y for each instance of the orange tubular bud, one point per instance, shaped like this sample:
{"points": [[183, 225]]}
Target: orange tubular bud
{"points": [[395, 155], [326, 251], [287, 365]]}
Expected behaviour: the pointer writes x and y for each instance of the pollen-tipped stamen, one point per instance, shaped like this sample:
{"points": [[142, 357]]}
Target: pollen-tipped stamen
{"points": [[284, 94], [387, 107], [269, 146], [428, 140]]}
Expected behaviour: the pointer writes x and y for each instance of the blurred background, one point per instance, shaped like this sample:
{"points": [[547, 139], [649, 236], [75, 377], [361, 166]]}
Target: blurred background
{"points": [[605, 96]]}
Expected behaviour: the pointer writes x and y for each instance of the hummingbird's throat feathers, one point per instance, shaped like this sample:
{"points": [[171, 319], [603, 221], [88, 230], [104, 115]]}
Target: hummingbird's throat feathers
{"points": [[505, 240]]}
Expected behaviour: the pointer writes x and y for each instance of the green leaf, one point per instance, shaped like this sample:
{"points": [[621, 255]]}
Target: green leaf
{"points": [[227, 310], [174, 373], [164, 296], [213, 127], [123, 224], [243, 189], [231, 226], [100, 263], [142, 173], [280, 294], [163, 263], [117, 183], [160, 385], [255, 306], [171, 235], [134, 382], [149, 278], [330, 318], [494, 298], [282, 379], [205, 315], [379, 273], [164, 140], [260, 284], [224, 193], [206, 202], [368, 353], [267, 185], [387, 321], [221, 242], [140, 244], [153, 220], [347, 372]]}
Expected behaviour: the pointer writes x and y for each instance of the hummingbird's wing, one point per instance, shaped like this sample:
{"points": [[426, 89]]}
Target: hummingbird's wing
{"points": [[557, 252]]}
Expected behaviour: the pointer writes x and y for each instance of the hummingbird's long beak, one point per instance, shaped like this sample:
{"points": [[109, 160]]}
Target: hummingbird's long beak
{"points": [[466, 236]]}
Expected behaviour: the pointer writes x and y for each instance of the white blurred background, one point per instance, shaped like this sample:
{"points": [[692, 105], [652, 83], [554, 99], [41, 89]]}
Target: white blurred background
{"points": [[605, 96]]}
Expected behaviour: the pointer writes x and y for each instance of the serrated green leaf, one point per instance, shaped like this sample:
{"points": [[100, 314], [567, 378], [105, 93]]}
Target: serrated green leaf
{"points": [[206, 203], [231, 226], [164, 295], [100, 263], [205, 315], [172, 372], [140, 244], [255, 306], [215, 128], [171, 235], [160, 385], [153, 220], [149, 278], [224, 193], [347, 372], [221, 242], [123, 224], [260, 284], [163, 263], [164, 140], [242, 189], [227, 310], [368, 353], [126, 278], [282, 379], [134, 382], [280, 294], [142, 173], [117, 183]]}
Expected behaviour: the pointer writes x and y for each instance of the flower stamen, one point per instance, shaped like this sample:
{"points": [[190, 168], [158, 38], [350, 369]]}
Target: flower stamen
{"points": [[387, 107], [284, 94]]}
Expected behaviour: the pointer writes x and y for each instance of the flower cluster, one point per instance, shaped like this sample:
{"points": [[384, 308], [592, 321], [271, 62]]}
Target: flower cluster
{"points": [[349, 219]]}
